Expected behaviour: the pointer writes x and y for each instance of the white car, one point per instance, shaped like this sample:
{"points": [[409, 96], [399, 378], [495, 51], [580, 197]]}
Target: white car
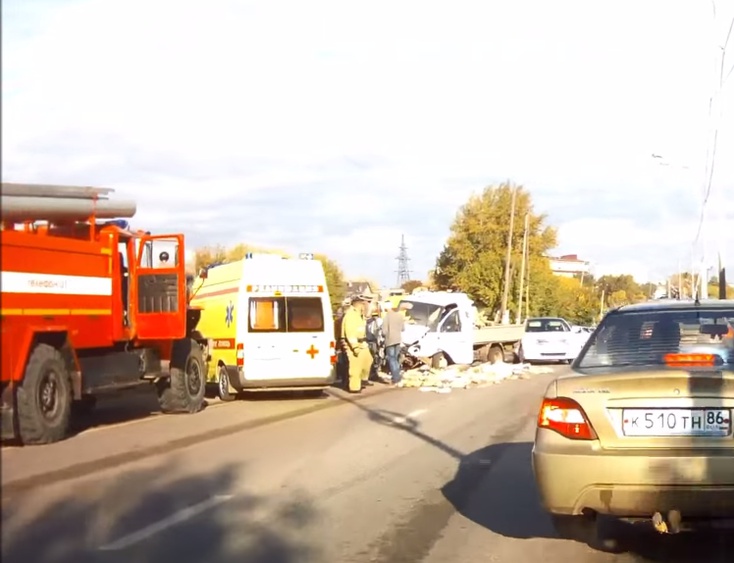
{"points": [[552, 339]]}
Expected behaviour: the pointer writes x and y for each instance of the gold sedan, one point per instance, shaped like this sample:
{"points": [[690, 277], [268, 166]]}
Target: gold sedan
{"points": [[642, 428]]}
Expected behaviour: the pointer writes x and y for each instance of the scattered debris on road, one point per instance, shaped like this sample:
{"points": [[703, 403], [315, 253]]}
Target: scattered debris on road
{"points": [[464, 377]]}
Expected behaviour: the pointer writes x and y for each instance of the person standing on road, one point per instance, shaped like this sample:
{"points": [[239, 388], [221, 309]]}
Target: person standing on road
{"points": [[354, 336], [374, 341], [341, 357], [392, 329]]}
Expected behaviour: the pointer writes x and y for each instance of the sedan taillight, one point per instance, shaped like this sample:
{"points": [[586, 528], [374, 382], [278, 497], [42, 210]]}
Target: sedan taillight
{"points": [[566, 417]]}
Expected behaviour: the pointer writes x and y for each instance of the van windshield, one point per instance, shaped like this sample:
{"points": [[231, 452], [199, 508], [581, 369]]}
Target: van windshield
{"points": [[424, 314], [285, 314], [653, 338]]}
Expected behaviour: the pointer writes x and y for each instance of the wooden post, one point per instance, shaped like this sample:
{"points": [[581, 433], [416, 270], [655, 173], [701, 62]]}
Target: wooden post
{"points": [[601, 303], [504, 317], [527, 282], [522, 267]]}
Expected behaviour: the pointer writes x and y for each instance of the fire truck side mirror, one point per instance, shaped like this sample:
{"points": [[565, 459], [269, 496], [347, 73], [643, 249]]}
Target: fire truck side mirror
{"points": [[203, 273]]}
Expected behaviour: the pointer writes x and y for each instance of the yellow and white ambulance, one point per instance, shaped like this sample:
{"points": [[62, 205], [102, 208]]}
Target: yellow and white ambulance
{"points": [[270, 322]]}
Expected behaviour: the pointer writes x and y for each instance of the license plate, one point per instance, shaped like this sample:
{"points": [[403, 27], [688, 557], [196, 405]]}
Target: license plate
{"points": [[676, 422]]}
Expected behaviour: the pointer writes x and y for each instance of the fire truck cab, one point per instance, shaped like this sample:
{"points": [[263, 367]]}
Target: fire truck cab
{"points": [[89, 306]]}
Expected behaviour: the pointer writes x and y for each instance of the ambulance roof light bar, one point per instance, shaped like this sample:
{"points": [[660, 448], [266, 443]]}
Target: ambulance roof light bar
{"points": [[306, 256], [259, 255]]}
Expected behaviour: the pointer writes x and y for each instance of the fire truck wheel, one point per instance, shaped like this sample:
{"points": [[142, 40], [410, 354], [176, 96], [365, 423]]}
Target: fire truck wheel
{"points": [[44, 398], [184, 390], [223, 391]]}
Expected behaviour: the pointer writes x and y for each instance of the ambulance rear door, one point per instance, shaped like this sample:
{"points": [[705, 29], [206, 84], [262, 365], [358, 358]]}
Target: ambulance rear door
{"points": [[263, 335], [310, 332]]}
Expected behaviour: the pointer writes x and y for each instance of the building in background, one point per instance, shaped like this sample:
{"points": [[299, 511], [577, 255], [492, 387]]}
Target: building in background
{"points": [[569, 266], [359, 288]]}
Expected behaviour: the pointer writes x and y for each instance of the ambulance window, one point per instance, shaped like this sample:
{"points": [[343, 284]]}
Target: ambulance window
{"points": [[305, 314], [267, 314]]}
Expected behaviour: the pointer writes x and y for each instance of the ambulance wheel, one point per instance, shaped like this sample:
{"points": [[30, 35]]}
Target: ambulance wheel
{"points": [[223, 391], [436, 360], [183, 391], [44, 398]]}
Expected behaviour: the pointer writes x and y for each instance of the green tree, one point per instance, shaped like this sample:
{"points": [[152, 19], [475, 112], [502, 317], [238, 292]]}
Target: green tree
{"points": [[473, 258], [411, 285], [714, 290], [575, 302], [618, 298], [545, 292], [334, 280], [239, 251], [688, 284], [208, 255], [621, 290]]}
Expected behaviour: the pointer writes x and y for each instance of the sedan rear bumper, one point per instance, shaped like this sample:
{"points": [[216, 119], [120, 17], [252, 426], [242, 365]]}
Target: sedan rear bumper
{"points": [[535, 356], [626, 484]]}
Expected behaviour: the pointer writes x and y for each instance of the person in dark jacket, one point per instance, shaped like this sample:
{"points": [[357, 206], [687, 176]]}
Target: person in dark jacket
{"points": [[342, 362], [375, 341], [392, 328]]}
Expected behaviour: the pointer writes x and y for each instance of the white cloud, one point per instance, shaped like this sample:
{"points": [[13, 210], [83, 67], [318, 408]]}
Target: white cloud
{"points": [[265, 121]]}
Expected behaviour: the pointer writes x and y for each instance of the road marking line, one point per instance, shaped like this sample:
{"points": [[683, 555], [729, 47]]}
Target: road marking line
{"points": [[409, 416], [168, 522]]}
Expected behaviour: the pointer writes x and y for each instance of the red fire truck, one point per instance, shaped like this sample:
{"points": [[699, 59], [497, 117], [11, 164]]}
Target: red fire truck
{"points": [[88, 306]]}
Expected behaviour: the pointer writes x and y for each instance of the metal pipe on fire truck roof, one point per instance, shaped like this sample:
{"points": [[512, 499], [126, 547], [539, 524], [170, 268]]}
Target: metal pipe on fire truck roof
{"points": [[49, 190], [30, 202]]}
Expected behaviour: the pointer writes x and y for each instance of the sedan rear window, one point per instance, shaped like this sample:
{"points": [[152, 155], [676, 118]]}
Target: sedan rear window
{"points": [[658, 337], [546, 325]]}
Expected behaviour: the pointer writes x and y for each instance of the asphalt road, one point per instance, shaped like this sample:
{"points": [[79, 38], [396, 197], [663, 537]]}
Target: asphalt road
{"points": [[400, 476]]}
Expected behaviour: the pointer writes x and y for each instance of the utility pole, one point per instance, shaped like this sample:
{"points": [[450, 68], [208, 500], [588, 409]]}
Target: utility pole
{"points": [[522, 266], [601, 303], [722, 279], [715, 116], [504, 313], [527, 285]]}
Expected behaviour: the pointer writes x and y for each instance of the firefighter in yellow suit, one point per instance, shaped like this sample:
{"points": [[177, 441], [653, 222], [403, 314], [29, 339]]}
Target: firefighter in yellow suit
{"points": [[354, 338]]}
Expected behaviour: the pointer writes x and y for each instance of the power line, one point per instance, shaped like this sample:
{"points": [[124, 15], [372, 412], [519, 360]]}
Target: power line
{"points": [[712, 145]]}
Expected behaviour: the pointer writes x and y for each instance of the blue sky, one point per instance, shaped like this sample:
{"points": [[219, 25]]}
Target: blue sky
{"points": [[337, 126]]}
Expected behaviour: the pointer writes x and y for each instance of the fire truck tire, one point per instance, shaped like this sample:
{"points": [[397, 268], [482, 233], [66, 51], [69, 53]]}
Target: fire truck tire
{"points": [[184, 390], [44, 398]]}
